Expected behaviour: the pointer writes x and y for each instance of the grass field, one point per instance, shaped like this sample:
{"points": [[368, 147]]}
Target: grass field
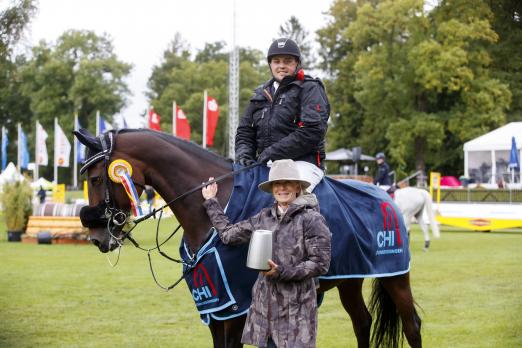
{"points": [[469, 286]]}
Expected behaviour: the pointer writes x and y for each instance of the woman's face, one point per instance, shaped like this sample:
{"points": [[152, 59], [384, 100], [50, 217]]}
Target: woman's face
{"points": [[285, 191], [282, 66]]}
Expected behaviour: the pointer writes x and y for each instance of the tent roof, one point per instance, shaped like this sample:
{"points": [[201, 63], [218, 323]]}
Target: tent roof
{"points": [[498, 139], [46, 184], [345, 155], [10, 174]]}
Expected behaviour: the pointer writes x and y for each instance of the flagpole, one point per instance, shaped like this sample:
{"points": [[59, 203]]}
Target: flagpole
{"points": [[97, 122], [174, 118], [75, 154], [36, 176], [54, 157], [204, 142], [19, 152], [4, 131]]}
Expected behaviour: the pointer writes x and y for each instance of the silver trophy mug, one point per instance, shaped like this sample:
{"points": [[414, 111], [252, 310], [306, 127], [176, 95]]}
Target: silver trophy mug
{"points": [[260, 250]]}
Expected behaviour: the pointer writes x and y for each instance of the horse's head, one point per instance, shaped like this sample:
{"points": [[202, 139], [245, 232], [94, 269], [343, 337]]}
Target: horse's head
{"points": [[109, 205]]}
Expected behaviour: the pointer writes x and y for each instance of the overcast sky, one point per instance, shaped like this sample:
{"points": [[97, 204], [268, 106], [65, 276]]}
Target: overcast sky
{"points": [[142, 30]]}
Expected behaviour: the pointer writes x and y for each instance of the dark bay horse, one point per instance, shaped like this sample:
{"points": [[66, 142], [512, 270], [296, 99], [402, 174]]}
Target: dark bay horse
{"points": [[173, 167]]}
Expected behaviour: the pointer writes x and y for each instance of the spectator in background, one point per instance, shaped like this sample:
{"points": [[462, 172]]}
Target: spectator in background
{"points": [[41, 195], [149, 194], [382, 177]]}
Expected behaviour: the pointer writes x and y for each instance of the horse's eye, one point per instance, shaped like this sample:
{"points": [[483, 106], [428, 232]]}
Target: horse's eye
{"points": [[95, 180]]}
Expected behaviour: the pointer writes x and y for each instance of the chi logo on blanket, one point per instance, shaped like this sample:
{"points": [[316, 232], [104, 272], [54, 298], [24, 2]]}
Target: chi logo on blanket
{"points": [[389, 239]]}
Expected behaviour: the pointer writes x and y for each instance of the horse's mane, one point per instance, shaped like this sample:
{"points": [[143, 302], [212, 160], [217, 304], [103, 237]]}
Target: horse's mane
{"points": [[184, 145]]}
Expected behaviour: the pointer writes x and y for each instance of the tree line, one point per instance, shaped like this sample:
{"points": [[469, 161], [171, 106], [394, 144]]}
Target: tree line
{"points": [[411, 81]]}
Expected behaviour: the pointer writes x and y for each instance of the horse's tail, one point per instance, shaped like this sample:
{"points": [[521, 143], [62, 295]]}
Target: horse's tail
{"points": [[387, 328], [431, 214]]}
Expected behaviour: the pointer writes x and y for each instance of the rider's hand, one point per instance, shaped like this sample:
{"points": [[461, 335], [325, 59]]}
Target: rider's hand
{"points": [[263, 157], [209, 191], [246, 161]]}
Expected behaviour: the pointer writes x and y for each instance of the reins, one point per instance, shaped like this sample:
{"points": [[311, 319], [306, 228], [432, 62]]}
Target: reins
{"points": [[188, 265], [117, 218], [194, 189]]}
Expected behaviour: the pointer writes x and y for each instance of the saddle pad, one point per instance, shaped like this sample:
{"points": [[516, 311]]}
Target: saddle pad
{"points": [[369, 237]]}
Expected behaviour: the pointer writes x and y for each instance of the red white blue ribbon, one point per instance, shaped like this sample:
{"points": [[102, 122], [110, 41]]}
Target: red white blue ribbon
{"points": [[127, 183]]}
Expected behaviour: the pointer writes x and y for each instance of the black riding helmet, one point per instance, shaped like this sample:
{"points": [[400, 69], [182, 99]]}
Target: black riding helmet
{"points": [[284, 46]]}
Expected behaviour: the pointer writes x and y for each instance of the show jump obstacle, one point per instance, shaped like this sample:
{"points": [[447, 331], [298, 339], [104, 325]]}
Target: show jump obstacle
{"points": [[477, 209]]}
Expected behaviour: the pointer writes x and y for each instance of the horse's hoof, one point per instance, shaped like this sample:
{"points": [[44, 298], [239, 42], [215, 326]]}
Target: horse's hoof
{"points": [[426, 245]]}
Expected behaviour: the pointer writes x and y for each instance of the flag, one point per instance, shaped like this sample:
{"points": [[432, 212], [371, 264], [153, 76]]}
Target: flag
{"points": [[80, 148], [125, 125], [42, 158], [103, 125], [24, 151], [5, 141], [154, 120], [62, 148], [182, 125], [514, 161], [212, 119]]}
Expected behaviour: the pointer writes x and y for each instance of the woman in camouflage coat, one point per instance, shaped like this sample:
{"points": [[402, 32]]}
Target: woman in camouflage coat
{"points": [[283, 312]]}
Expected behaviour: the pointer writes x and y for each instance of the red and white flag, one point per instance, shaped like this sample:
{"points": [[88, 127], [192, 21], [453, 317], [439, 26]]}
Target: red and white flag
{"points": [[154, 120], [182, 125], [212, 119]]}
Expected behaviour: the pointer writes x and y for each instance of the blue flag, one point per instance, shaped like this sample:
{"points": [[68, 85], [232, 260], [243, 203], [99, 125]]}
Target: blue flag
{"points": [[25, 152], [104, 126], [5, 141], [80, 148], [514, 161]]}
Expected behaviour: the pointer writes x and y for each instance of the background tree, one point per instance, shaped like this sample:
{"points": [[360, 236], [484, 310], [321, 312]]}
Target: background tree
{"points": [[14, 107], [293, 29], [337, 59], [181, 78], [13, 21], [420, 80], [79, 74], [506, 64]]}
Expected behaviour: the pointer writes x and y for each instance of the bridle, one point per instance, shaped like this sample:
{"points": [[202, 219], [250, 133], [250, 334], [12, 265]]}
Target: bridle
{"points": [[107, 214]]}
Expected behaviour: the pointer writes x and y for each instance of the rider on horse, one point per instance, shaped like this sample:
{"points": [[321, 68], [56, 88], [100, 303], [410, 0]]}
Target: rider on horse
{"points": [[287, 116]]}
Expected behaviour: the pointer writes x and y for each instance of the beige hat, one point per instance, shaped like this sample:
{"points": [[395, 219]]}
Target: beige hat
{"points": [[285, 169]]}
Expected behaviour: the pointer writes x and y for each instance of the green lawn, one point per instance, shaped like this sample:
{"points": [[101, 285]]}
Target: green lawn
{"points": [[468, 285]]}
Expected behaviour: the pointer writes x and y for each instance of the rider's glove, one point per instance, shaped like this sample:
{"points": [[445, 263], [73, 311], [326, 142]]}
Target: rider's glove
{"points": [[263, 157], [246, 161]]}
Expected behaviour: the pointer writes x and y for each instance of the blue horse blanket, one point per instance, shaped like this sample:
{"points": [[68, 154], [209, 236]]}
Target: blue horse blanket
{"points": [[369, 239]]}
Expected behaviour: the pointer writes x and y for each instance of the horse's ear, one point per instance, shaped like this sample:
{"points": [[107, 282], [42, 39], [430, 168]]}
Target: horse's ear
{"points": [[88, 139]]}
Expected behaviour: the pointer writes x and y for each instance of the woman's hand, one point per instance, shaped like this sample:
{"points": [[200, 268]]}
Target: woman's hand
{"points": [[209, 191], [273, 268]]}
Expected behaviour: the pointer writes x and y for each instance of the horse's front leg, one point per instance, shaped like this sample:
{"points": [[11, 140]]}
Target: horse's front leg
{"points": [[227, 333]]}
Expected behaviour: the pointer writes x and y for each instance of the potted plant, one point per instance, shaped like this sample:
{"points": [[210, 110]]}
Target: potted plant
{"points": [[16, 207]]}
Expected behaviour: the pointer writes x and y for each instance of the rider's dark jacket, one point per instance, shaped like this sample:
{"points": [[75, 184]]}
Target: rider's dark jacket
{"points": [[382, 177], [290, 123]]}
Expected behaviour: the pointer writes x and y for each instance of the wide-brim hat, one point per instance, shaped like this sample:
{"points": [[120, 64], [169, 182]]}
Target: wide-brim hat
{"points": [[282, 170]]}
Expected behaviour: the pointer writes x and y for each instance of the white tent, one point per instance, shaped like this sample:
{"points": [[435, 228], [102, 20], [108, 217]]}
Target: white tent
{"points": [[343, 154], [486, 158], [10, 174]]}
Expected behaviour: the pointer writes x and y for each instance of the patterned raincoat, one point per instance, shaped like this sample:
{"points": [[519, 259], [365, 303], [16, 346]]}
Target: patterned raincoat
{"points": [[283, 306]]}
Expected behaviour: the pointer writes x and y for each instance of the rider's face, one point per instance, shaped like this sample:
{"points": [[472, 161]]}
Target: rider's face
{"points": [[285, 192], [282, 66]]}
